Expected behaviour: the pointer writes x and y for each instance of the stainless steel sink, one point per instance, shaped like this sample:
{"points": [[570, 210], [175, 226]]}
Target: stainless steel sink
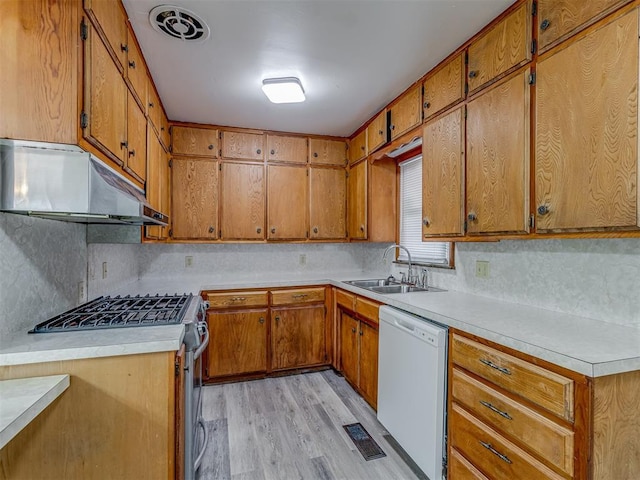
{"points": [[375, 282], [382, 285]]}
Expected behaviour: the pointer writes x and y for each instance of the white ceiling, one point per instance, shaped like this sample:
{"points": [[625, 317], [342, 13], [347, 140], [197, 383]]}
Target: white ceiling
{"points": [[352, 56]]}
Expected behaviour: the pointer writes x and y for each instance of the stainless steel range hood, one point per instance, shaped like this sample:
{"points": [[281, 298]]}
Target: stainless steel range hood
{"points": [[63, 182]]}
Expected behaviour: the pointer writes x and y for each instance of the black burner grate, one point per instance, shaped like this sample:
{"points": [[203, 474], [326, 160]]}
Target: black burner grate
{"points": [[119, 312]]}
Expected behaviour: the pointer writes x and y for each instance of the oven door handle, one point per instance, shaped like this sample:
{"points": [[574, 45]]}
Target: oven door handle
{"points": [[198, 461], [205, 341]]}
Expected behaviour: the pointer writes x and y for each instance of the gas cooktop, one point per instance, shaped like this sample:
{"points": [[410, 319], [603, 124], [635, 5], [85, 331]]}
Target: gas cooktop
{"points": [[119, 312]]}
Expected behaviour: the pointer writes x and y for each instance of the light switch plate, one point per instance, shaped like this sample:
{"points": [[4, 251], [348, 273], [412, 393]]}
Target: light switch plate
{"points": [[482, 269]]}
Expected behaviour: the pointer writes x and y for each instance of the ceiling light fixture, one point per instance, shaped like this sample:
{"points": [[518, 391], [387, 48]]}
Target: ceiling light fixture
{"points": [[283, 90]]}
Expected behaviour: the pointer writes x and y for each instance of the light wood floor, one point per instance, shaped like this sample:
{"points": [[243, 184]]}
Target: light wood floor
{"points": [[291, 428]]}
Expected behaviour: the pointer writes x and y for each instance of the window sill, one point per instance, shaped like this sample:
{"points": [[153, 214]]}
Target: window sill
{"points": [[425, 264]]}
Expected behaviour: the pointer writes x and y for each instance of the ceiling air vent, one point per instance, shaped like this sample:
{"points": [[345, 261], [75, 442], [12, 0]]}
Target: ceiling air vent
{"points": [[178, 22]]}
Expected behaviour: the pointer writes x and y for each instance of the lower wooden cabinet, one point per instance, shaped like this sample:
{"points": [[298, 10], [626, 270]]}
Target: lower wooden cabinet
{"points": [[297, 337]]}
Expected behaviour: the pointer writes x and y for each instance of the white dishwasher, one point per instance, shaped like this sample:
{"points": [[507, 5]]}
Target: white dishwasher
{"points": [[412, 369]]}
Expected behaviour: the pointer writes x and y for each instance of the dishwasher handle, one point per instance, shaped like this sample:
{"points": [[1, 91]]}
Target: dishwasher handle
{"points": [[405, 326]]}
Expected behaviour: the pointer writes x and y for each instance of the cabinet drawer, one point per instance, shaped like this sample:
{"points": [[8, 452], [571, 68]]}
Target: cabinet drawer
{"points": [[550, 440], [298, 295], [195, 141], [461, 469], [367, 308], [491, 452], [237, 299], [345, 299], [542, 387]]}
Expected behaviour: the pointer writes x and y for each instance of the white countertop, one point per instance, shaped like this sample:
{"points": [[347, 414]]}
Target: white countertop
{"points": [[591, 347], [23, 399]]}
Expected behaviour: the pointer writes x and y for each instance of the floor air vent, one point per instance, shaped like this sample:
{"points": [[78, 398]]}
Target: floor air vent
{"points": [[368, 447], [178, 22]]}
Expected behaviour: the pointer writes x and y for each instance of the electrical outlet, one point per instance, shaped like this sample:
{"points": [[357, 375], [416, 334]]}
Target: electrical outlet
{"points": [[303, 259], [104, 270], [80, 292], [188, 261], [482, 269]]}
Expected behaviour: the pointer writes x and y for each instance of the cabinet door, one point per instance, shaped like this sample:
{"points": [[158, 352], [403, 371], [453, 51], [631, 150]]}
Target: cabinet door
{"points": [[136, 163], [498, 158], [587, 131], [357, 206], [327, 152], [558, 19], [407, 112], [382, 201], [445, 87], [158, 183], [112, 20], [377, 131], [136, 69], [349, 333], [105, 101], [165, 196], [200, 142], [165, 134], [238, 342], [443, 176], [369, 363], [242, 146], [154, 109], [504, 46], [195, 198], [286, 149], [242, 201], [287, 202], [297, 337], [327, 203], [358, 147]]}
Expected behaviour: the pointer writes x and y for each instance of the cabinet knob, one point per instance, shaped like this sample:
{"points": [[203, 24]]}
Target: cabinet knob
{"points": [[315, 229], [362, 148], [162, 130], [258, 151], [380, 132], [360, 332], [211, 229], [210, 147], [151, 104], [362, 228], [426, 222], [472, 217], [315, 154], [132, 153], [427, 104], [261, 320], [124, 145], [124, 47], [543, 209], [132, 64], [353, 330], [277, 319], [273, 229], [473, 74], [545, 24], [258, 230], [273, 152], [393, 127]]}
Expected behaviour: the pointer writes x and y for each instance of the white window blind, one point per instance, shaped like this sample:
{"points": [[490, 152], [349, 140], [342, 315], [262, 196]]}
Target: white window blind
{"points": [[436, 253]]}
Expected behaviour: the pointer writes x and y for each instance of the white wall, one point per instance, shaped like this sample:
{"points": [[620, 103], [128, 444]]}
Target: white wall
{"points": [[41, 264]]}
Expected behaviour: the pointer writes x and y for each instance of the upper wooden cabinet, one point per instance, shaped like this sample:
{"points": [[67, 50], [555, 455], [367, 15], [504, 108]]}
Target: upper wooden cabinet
{"points": [[382, 203], [587, 131], [136, 69], [406, 113], [327, 152], [357, 201], [498, 158], [242, 145], [158, 184], [327, 203], [111, 19], [444, 87], [200, 142], [559, 19], [154, 109], [242, 201], [506, 45], [358, 147], [377, 131], [443, 175], [287, 202], [195, 198], [281, 148], [136, 160]]}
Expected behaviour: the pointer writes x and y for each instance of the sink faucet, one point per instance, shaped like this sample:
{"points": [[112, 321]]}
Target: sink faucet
{"points": [[410, 271]]}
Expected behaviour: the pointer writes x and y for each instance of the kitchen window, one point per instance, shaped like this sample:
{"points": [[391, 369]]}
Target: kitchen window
{"points": [[425, 253]]}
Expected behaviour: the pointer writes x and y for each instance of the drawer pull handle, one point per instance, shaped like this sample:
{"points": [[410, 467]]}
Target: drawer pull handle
{"points": [[237, 299], [489, 447], [496, 410], [261, 320], [489, 363], [299, 295]]}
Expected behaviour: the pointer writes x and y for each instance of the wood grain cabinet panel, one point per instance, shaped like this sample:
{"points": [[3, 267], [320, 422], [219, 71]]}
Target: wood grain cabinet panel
{"points": [[377, 131], [357, 201], [358, 147], [218, 300], [165, 131], [297, 337], [443, 175], [201, 142], [195, 198], [444, 87], [136, 160], [406, 113], [587, 131], [238, 342], [382, 201], [287, 202], [367, 309], [154, 108], [165, 196], [368, 382], [242, 201], [559, 19], [460, 468], [136, 71], [155, 182], [242, 145], [498, 158], [349, 335], [327, 152], [286, 149], [506, 45], [112, 20], [345, 299], [297, 296], [327, 203]]}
